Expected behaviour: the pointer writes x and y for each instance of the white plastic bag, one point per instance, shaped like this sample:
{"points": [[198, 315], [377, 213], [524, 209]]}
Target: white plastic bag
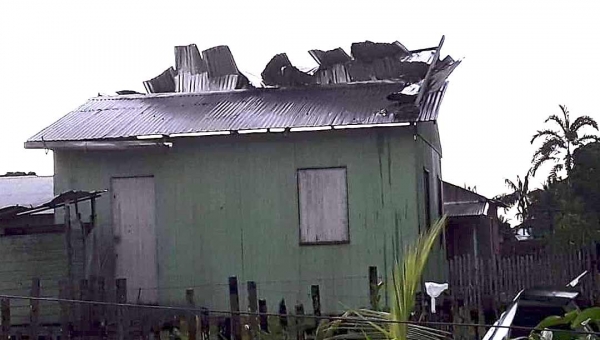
{"points": [[434, 290]]}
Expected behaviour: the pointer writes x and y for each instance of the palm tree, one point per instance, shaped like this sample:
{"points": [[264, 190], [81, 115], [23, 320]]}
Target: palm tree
{"points": [[519, 196], [558, 145], [406, 279]]}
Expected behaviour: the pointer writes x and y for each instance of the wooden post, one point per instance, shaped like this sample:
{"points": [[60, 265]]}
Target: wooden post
{"points": [[234, 303], [122, 324], [373, 288], [253, 308], [5, 310], [316, 300], [300, 321], [34, 309], [205, 324], [264, 319], [84, 315], [283, 320], [65, 309], [69, 245], [191, 320], [101, 310]]}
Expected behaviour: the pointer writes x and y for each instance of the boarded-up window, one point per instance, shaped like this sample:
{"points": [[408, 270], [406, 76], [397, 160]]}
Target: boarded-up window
{"points": [[323, 204]]}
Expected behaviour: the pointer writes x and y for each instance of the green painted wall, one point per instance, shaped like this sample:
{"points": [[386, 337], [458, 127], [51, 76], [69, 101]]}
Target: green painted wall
{"points": [[228, 205]]}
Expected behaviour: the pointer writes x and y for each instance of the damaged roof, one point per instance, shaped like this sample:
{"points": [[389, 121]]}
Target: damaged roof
{"points": [[377, 83], [130, 116], [48, 204]]}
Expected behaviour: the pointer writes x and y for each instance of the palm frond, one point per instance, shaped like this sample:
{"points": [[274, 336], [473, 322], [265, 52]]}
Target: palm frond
{"points": [[510, 184], [545, 133], [540, 161], [406, 279], [559, 121], [553, 177], [582, 121], [587, 138], [550, 146]]}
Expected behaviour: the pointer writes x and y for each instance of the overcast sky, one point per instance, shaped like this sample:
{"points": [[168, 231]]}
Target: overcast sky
{"points": [[521, 59]]}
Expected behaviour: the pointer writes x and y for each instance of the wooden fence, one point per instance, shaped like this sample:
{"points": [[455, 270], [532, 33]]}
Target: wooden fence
{"points": [[95, 309], [487, 283]]}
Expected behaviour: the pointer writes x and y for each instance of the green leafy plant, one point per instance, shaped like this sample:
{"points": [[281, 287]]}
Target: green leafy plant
{"points": [[404, 285], [562, 327]]}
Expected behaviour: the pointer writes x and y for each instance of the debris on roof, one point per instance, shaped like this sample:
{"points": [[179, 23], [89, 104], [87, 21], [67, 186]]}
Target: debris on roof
{"points": [[165, 82], [330, 58], [378, 83], [279, 71], [215, 69], [369, 51]]}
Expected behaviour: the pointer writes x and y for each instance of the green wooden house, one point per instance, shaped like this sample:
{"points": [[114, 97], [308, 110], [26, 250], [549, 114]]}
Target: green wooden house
{"points": [[288, 186]]}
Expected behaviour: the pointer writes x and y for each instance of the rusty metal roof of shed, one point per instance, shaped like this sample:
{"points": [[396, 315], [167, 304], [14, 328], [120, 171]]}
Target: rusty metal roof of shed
{"points": [[458, 209], [130, 116]]}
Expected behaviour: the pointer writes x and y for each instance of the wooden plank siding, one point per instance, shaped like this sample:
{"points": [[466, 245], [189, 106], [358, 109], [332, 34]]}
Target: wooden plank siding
{"points": [[42, 256], [229, 206]]}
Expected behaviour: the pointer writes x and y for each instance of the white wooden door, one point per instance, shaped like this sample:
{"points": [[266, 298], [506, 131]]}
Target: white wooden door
{"points": [[133, 210]]}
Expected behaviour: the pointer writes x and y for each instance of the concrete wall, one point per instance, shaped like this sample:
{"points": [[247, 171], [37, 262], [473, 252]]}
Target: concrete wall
{"points": [[228, 205]]}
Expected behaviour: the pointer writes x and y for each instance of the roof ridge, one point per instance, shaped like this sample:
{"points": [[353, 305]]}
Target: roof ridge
{"points": [[250, 90]]}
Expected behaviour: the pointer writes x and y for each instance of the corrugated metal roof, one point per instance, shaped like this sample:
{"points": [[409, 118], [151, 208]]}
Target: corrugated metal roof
{"points": [[128, 116], [458, 209], [27, 191]]}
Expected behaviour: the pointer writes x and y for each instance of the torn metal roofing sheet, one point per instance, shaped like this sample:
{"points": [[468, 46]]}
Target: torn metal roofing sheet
{"points": [[472, 208], [25, 191], [9, 212], [123, 117]]}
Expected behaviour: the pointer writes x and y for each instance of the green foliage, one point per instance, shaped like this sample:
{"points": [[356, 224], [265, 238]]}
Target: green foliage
{"points": [[575, 320], [558, 145], [406, 280], [566, 212]]}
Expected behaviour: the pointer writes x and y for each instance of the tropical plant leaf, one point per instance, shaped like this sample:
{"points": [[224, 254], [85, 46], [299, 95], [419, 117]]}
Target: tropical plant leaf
{"points": [[587, 138], [586, 314], [406, 279], [547, 133], [582, 121]]}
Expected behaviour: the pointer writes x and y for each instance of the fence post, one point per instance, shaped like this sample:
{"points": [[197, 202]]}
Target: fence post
{"points": [[373, 289], [234, 303], [65, 308], [191, 323], [34, 309], [205, 324], [264, 320], [84, 315], [299, 321], [122, 326], [101, 296], [316, 300], [283, 320], [5, 310], [253, 307]]}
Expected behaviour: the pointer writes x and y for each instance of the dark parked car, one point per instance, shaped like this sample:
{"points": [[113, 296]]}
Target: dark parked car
{"points": [[531, 306]]}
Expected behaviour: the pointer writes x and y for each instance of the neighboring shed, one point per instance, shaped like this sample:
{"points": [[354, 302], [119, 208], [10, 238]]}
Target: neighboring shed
{"points": [[33, 245], [291, 186], [473, 226]]}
